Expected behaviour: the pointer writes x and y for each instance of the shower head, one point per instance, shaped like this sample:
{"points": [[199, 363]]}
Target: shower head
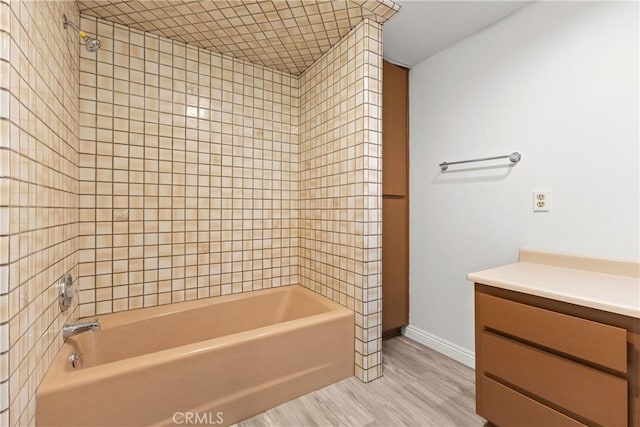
{"points": [[90, 43]]}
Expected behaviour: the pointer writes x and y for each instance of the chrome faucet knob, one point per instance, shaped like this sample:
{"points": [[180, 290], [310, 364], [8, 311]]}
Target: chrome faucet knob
{"points": [[66, 292], [74, 358]]}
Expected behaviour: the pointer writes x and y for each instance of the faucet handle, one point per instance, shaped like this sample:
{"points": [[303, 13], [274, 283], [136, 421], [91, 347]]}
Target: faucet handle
{"points": [[74, 358], [66, 292]]}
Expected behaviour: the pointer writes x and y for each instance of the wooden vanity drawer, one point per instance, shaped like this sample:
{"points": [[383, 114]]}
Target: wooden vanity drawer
{"points": [[594, 342], [581, 390], [506, 407]]}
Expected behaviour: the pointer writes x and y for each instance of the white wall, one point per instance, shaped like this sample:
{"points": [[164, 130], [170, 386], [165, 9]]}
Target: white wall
{"points": [[557, 82]]}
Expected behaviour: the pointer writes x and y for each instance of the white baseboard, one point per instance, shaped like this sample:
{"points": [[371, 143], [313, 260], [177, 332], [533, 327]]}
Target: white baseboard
{"points": [[441, 345]]}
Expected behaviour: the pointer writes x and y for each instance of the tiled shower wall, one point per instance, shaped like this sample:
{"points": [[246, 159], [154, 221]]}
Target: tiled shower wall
{"points": [[38, 193], [340, 184], [188, 173], [192, 169]]}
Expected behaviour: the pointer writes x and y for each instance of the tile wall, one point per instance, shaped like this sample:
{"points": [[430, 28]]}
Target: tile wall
{"points": [[340, 184], [188, 173], [193, 167], [38, 192], [157, 172]]}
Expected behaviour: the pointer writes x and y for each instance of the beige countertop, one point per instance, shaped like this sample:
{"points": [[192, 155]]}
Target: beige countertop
{"points": [[614, 288]]}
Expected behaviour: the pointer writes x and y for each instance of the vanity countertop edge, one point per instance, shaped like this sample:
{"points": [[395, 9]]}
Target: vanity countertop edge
{"points": [[603, 284]]}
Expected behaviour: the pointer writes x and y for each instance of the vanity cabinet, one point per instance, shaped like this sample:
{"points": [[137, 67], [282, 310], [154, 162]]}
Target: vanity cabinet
{"points": [[544, 362]]}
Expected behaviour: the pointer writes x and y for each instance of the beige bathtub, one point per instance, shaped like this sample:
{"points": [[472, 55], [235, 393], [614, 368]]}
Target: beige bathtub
{"points": [[213, 361]]}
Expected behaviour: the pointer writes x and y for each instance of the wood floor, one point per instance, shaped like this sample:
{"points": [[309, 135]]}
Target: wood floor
{"points": [[420, 387]]}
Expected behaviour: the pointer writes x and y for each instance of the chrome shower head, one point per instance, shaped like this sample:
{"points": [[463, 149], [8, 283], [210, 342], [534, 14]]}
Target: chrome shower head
{"points": [[90, 43]]}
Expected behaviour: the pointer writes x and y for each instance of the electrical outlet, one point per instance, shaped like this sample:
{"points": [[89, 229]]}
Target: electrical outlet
{"points": [[540, 201]]}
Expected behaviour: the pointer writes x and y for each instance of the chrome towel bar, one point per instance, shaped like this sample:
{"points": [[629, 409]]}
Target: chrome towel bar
{"points": [[514, 157]]}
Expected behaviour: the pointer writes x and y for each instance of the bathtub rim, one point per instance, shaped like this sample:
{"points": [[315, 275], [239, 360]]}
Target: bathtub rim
{"points": [[121, 318]]}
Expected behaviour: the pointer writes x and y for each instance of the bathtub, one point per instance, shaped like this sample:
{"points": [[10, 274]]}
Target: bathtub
{"points": [[214, 361]]}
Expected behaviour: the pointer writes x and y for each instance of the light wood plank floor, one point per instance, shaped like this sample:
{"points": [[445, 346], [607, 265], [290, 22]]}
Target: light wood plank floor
{"points": [[420, 387]]}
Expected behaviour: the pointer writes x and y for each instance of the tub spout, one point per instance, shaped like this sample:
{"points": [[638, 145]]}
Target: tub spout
{"points": [[71, 329]]}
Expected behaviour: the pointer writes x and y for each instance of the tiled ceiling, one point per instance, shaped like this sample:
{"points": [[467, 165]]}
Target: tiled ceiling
{"points": [[286, 35]]}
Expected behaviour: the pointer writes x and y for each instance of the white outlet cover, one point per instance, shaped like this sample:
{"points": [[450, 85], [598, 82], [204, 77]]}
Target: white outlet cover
{"points": [[541, 201]]}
